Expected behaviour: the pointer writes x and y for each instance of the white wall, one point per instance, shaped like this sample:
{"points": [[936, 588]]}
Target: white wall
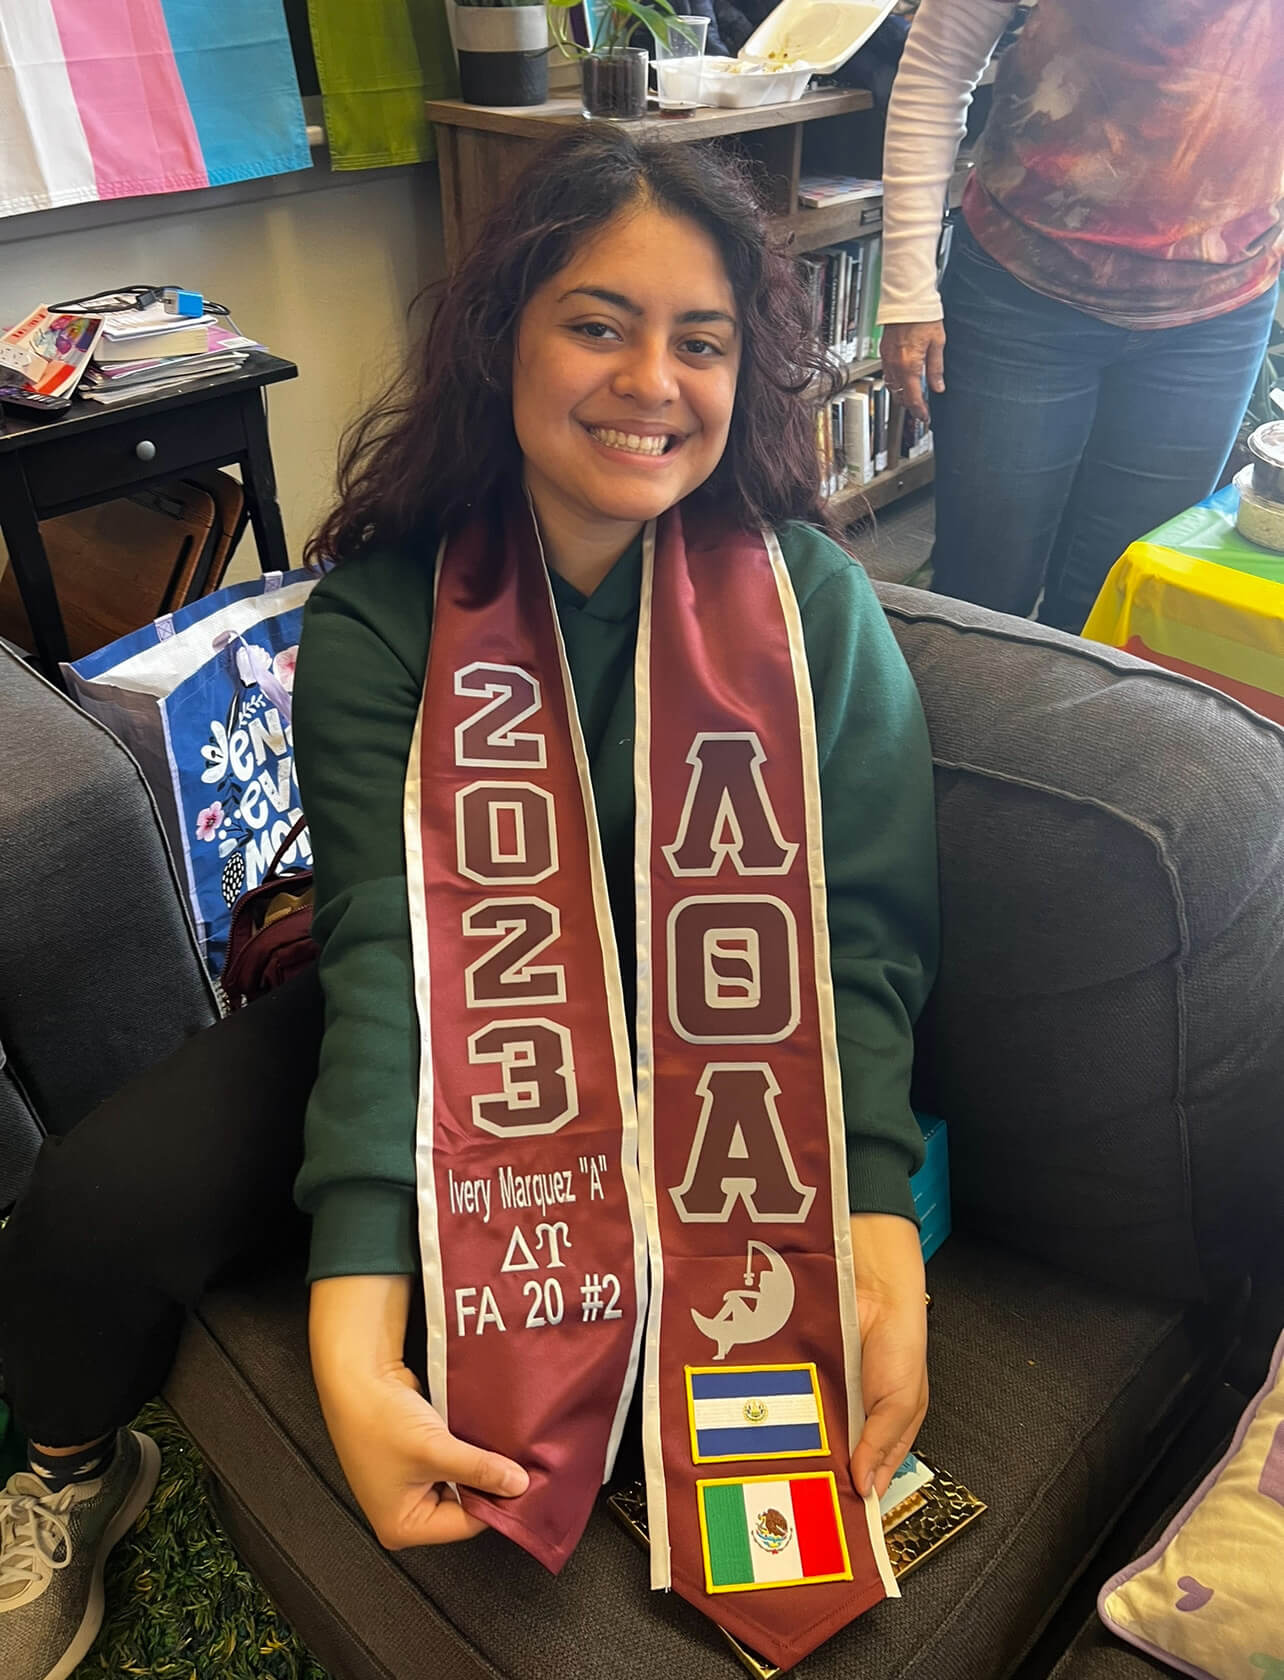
{"points": [[321, 267]]}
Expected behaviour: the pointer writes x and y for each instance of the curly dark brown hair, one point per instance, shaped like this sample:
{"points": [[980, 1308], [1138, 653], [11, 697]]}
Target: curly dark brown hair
{"points": [[440, 441]]}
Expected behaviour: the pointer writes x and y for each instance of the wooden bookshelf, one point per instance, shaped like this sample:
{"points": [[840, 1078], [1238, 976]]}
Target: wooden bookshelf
{"points": [[902, 477], [482, 149], [710, 122]]}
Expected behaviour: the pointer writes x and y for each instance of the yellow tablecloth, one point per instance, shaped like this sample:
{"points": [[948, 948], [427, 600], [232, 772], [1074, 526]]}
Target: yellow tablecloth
{"points": [[1207, 620]]}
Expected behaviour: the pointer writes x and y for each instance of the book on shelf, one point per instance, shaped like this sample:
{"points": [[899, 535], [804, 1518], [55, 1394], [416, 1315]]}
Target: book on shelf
{"points": [[816, 192], [868, 332], [916, 437], [862, 433], [843, 283], [882, 405], [858, 432]]}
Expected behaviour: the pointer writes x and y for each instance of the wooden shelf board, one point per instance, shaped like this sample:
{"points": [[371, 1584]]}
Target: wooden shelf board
{"points": [[854, 501], [534, 122], [852, 371], [831, 224], [863, 370]]}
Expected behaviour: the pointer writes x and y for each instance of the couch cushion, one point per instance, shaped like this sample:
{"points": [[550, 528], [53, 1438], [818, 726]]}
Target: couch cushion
{"points": [[1105, 1035], [1050, 1398], [1095, 1656], [99, 974]]}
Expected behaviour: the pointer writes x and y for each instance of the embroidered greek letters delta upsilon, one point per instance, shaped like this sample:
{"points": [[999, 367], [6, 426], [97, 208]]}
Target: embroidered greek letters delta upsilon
{"points": [[556, 1179]]}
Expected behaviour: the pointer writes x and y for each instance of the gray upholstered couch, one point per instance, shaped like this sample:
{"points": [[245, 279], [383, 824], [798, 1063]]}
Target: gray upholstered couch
{"points": [[1105, 1041]]}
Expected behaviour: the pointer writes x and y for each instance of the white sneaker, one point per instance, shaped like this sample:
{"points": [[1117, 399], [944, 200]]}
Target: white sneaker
{"points": [[53, 1547]]}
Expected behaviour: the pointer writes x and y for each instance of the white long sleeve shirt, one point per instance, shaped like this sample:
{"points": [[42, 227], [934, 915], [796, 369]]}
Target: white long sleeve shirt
{"points": [[950, 43]]}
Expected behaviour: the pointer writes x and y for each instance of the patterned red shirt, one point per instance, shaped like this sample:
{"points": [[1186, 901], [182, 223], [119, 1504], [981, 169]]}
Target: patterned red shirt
{"points": [[1133, 162]]}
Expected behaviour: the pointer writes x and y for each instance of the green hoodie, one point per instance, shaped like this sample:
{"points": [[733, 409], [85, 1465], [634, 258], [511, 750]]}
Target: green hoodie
{"points": [[360, 675]]}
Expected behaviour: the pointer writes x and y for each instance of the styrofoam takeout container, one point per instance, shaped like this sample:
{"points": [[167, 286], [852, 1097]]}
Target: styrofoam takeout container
{"points": [[823, 34], [737, 83], [800, 39]]}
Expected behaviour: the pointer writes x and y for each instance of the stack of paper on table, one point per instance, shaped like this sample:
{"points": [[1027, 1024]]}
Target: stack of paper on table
{"points": [[145, 371]]}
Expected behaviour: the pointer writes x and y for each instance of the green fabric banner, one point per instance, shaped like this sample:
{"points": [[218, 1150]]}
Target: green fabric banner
{"points": [[377, 62]]}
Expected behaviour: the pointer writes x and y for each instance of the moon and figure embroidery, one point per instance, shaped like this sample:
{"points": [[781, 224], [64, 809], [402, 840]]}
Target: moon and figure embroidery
{"points": [[751, 1314]]}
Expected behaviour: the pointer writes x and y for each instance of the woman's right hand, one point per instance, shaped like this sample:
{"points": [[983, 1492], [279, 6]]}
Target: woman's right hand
{"points": [[911, 350], [395, 1450]]}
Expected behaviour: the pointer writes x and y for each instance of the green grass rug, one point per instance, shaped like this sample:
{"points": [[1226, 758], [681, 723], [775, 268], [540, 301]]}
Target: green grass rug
{"points": [[179, 1604]]}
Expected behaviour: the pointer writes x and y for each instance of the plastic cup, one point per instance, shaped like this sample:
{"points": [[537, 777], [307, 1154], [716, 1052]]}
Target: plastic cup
{"points": [[679, 60]]}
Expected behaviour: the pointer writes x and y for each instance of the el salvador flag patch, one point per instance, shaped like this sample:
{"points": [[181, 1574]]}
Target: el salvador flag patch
{"points": [[754, 1411]]}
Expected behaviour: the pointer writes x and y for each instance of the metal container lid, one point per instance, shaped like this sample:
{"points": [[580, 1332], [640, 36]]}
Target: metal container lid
{"points": [[1267, 443]]}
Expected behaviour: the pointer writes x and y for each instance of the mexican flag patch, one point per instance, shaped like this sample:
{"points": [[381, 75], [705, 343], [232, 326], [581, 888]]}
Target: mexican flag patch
{"points": [[769, 1531]]}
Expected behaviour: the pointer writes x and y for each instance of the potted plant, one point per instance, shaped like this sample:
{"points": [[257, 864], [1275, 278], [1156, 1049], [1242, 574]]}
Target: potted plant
{"points": [[612, 73], [502, 47]]}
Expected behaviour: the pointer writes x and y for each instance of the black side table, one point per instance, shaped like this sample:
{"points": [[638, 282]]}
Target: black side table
{"points": [[91, 453]]}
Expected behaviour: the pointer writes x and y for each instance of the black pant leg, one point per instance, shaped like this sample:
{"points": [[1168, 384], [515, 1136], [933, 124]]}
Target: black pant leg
{"points": [[186, 1171]]}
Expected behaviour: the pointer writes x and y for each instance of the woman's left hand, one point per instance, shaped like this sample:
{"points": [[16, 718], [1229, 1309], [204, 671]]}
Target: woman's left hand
{"points": [[893, 1328]]}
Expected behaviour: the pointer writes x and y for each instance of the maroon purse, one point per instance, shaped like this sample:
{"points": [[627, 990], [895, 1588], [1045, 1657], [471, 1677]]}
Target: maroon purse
{"points": [[270, 939]]}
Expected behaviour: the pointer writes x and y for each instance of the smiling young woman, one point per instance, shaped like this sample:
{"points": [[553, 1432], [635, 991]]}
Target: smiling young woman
{"points": [[619, 370], [621, 808], [445, 438], [624, 384]]}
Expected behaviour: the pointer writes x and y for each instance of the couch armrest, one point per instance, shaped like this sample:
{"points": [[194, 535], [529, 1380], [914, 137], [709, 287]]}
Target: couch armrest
{"points": [[1106, 1036], [99, 970]]}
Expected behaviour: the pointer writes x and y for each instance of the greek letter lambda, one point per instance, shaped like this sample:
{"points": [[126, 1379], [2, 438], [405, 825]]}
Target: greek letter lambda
{"points": [[727, 813]]}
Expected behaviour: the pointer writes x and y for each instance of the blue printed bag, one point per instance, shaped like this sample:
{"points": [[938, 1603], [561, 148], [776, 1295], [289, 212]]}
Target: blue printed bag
{"points": [[202, 698]]}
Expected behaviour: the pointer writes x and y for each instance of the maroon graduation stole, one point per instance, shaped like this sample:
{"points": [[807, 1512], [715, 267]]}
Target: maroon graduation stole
{"points": [[548, 1193]]}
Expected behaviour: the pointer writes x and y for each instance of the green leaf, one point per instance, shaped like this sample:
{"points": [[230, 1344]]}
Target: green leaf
{"points": [[655, 16], [560, 26]]}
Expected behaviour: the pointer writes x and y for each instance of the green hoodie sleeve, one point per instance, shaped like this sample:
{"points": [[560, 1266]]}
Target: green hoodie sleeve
{"points": [[360, 673], [878, 814]]}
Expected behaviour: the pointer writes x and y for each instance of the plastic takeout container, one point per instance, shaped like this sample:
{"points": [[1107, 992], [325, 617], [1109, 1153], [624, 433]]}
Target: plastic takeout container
{"points": [[1258, 517], [1266, 446]]}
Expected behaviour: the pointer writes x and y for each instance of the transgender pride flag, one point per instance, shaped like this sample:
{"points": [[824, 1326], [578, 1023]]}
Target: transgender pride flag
{"points": [[117, 98]]}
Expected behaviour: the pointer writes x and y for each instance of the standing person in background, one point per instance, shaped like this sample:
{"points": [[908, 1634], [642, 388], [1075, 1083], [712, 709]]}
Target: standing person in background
{"points": [[1110, 289]]}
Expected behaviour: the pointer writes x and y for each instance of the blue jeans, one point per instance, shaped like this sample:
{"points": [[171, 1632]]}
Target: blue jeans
{"points": [[1060, 438]]}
